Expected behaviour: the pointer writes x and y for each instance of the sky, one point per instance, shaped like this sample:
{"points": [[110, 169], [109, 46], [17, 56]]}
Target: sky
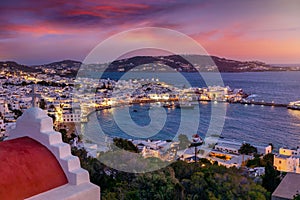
{"points": [[37, 32]]}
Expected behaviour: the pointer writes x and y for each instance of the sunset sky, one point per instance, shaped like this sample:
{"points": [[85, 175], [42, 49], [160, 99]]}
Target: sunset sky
{"points": [[36, 32]]}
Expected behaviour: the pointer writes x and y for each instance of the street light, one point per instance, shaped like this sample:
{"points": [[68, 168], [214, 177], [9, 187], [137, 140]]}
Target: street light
{"points": [[196, 141]]}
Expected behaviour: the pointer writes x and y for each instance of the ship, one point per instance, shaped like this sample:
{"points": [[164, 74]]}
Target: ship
{"points": [[294, 105]]}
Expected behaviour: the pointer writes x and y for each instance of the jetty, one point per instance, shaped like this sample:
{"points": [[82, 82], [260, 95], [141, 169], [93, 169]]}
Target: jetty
{"points": [[263, 103]]}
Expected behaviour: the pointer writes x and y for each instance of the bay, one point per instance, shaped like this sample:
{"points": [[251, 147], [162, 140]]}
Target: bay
{"points": [[258, 125]]}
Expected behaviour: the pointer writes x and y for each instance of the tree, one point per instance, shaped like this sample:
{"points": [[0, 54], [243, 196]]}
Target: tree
{"points": [[271, 179], [272, 146], [180, 180], [52, 106], [183, 141], [257, 161], [65, 137], [43, 104], [247, 149], [125, 144], [17, 113], [268, 159], [53, 117], [296, 197]]}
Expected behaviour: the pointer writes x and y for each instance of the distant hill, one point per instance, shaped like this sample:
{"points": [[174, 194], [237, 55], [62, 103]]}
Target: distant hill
{"points": [[187, 63], [63, 64], [192, 63], [13, 66]]}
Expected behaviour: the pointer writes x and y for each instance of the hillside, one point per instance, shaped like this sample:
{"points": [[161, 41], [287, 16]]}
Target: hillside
{"points": [[190, 63]]}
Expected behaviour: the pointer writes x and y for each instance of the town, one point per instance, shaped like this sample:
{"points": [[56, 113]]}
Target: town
{"points": [[68, 100]]}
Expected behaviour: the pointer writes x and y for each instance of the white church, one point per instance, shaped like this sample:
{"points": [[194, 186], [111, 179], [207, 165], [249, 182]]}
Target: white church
{"points": [[35, 164]]}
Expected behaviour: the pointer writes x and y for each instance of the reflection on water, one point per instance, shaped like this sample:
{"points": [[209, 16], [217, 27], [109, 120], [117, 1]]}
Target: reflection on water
{"points": [[254, 124], [295, 113]]}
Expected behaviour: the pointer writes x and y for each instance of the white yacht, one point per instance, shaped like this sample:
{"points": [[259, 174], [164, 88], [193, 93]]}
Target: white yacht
{"points": [[294, 105]]}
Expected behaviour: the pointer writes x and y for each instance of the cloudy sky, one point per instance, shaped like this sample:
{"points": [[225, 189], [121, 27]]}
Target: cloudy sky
{"points": [[35, 32]]}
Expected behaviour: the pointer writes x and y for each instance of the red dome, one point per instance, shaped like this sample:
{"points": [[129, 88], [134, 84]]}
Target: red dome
{"points": [[27, 168]]}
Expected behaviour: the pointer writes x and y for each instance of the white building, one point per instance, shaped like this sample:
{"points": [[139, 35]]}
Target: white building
{"points": [[71, 117], [3, 106], [53, 172], [288, 160]]}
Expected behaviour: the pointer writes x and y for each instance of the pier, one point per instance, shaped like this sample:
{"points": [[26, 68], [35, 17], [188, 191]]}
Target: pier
{"points": [[263, 103]]}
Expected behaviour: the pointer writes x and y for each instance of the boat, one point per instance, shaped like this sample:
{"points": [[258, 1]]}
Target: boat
{"points": [[155, 105], [168, 105], [185, 105], [294, 105]]}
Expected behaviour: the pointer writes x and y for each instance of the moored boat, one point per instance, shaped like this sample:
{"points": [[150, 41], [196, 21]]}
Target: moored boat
{"points": [[168, 105], [294, 105], [185, 105]]}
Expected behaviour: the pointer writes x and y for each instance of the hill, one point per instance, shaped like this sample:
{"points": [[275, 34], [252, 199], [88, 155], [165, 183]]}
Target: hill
{"points": [[187, 63]]}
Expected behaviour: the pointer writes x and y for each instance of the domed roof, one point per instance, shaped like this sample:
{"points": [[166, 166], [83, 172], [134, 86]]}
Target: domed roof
{"points": [[34, 112], [36, 164], [27, 168]]}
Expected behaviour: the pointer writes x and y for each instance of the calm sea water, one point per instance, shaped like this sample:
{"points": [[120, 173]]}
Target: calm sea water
{"points": [[255, 124]]}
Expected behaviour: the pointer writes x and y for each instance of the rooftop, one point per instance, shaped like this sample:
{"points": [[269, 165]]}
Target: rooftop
{"points": [[289, 186], [25, 165]]}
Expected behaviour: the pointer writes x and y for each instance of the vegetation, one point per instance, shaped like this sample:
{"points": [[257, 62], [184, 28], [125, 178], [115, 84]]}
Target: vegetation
{"points": [[297, 197], [125, 144], [42, 104], [65, 137], [17, 113], [272, 177], [180, 180], [183, 141], [261, 162], [247, 149]]}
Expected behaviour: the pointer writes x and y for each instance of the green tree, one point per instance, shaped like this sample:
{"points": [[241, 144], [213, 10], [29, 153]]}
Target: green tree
{"points": [[183, 141], [64, 135], [52, 106], [296, 197], [43, 104], [53, 117], [247, 149], [268, 159], [125, 144], [17, 113], [257, 161], [271, 179], [161, 184], [181, 180]]}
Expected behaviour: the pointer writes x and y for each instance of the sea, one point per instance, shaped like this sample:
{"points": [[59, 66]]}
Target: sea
{"points": [[255, 124]]}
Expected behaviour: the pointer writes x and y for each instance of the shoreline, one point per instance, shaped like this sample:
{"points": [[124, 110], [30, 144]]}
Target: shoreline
{"points": [[148, 101]]}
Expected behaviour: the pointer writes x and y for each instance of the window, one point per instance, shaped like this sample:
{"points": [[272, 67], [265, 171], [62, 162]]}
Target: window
{"points": [[279, 162]]}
